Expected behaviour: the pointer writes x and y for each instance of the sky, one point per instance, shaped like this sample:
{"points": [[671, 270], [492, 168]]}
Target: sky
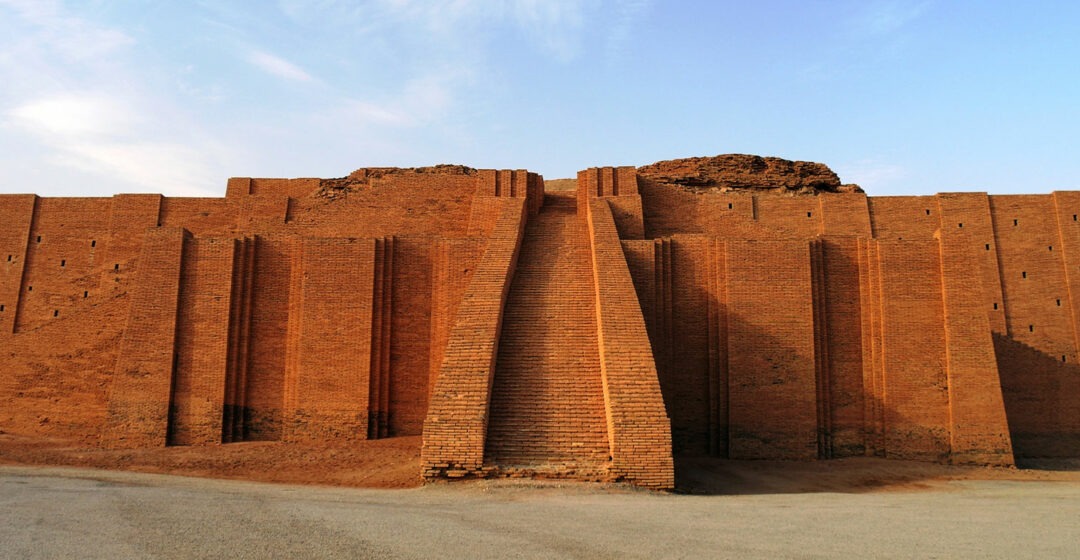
{"points": [[902, 97]]}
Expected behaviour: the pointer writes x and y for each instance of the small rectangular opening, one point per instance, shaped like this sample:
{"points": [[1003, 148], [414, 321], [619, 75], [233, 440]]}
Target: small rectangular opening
{"points": [[93, 242], [808, 214], [56, 313], [116, 266], [1074, 217], [85, 294], [1058, 303], [39, 239], [995, 305], [29, 288], [1, 308], [927, 211], [729, 206], [1062, 358], [1049, 247], [1031, 328], [961, 224], [1016, 222], [9, 258], [987, 246], [63, 263], [1024, 274]]}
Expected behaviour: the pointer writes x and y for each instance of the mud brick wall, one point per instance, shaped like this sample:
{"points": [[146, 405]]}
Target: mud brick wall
{"points": [[453, 264], [772, 407], [202, 341], [978, 430], [16, 219], [839, 326], [60, 262], [638, 427], [456, 422], [915, 384], [141, 388], [328, 368]]}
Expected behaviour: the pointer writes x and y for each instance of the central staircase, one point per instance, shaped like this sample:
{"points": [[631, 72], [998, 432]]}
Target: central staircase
{"points": [[547, 415]]}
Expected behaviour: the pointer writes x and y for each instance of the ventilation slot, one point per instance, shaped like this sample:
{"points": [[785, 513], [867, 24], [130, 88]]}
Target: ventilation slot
{"points": [[29, 288], [1016, 222], [729, 206], [9, 258], [1, 308], [116, 267], [63, 263], [1063, 359], [960, 225], [93, 243], [987, 246], [808, 214], [39, 239], [1058, 303], [1050, 248], [995, 306], [1031, 328], [927, 211], [1024, 274], [56, 313]]}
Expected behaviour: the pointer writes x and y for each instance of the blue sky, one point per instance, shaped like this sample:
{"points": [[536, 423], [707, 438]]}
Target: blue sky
{"points": [[902, 97]]}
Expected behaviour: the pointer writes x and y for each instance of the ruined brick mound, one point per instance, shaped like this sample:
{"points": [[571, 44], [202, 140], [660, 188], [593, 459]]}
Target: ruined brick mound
{"points": [[741, 171]]}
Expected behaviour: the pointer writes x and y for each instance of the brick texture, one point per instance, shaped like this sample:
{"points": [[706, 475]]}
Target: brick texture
{"points": [[595, 334]]}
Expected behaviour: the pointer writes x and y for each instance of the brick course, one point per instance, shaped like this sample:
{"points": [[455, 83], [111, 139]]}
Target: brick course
{"points": [[644, 322]]}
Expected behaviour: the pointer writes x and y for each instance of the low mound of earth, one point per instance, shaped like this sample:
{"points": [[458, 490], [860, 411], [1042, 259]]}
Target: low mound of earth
{"points": [[746, 172], [395, 463], [383, 463]]}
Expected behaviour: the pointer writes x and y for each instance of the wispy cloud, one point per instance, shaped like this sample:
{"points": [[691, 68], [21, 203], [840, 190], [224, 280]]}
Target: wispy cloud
{"points": [[277, 66], [882, 17], [74, 98], [872, 174], [103, 135]]}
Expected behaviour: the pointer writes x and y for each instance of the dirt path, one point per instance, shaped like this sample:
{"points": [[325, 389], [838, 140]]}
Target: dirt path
{"points": [[60, 513]]}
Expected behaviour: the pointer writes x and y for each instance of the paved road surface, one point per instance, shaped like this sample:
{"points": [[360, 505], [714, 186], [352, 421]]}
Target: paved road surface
{"points": [[70, 513]]}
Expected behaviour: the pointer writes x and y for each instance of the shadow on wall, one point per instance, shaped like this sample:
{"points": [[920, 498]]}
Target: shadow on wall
{"points": [[1042, 400]]}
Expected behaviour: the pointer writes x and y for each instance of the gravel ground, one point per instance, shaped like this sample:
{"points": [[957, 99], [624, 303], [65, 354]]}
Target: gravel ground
{"points": [[79, 513]]}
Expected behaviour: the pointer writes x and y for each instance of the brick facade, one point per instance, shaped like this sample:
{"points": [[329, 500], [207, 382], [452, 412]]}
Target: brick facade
{"points": [[595, 334]]}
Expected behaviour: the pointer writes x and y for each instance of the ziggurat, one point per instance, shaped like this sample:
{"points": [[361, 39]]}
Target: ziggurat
{"points": [[740, 307]]}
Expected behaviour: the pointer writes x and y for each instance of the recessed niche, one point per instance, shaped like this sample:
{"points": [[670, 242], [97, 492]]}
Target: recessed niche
{"points": [[1024, 274], [56, 313]]}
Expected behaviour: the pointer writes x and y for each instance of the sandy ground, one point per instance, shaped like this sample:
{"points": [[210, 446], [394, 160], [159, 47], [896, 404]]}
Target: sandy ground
{"points": [[49, 512], [384, 463], [395, 463]]}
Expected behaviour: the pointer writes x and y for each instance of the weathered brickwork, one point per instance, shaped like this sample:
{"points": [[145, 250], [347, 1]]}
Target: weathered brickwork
{"points": [[596, 334]]}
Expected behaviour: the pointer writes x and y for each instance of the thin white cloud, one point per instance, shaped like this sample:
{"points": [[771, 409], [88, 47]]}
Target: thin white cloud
{"points": [[883, 17], [871, 174], [102, 135], [278, 66]]}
